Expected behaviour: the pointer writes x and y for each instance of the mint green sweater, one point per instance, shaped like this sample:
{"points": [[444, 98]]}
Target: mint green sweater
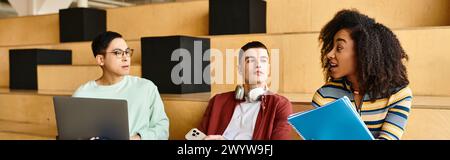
{"points": [[146, 114]]}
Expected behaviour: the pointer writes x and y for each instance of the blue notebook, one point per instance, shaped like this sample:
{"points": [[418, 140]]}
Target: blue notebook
{"points": [[337, 120]]}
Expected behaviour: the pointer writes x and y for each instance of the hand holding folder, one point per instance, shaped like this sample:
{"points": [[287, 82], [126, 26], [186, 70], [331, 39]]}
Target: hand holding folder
{"points": [[337, 120]]}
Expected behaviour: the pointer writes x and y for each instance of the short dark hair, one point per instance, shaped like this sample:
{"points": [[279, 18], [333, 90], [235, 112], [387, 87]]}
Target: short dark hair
{"points": [[379, 54], [102, 41], [253, 44], [250, 45]]}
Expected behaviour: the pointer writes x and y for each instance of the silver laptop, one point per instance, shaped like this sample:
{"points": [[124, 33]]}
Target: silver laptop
{"points": [[84, 118]]}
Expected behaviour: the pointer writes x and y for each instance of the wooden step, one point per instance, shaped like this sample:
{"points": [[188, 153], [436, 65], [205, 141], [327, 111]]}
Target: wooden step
{"points": [[311, 15], [426, 124], [179, 18], [81, 51], [29, 30], [191, 18], [429, 117], [299, 60], [4, 69], [299, 65], [81, 55], [70, 77], [184, 111], [186, 18], [11, 130], [30, 114]]}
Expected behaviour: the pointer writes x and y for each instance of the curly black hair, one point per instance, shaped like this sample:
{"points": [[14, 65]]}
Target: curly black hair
{"points": [[379, 55]]}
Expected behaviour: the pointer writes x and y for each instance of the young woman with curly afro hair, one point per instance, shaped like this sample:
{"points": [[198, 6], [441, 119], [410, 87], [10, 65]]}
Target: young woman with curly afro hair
{"points": [[363, 60]]}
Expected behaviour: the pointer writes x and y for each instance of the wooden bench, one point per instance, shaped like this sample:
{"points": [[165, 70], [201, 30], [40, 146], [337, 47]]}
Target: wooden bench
{"points": [[30, 115]]}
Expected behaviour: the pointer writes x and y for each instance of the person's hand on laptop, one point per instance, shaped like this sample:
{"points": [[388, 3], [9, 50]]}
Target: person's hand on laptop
{"points": [[94, 138], [135, 137], [98, 138]]}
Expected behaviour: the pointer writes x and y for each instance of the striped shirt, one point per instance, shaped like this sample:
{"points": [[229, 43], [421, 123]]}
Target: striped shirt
{"points": [[385, 117]]}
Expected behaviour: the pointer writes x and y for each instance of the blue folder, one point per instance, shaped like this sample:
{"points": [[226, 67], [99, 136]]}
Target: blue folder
{"points": [[337, 120]]}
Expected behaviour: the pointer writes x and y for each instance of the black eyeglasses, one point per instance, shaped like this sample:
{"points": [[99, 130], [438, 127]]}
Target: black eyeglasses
{"points": [[121, 53]]}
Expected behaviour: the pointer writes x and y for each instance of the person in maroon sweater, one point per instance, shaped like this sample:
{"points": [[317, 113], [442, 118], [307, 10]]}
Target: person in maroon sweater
{"points": [[251, 112]]}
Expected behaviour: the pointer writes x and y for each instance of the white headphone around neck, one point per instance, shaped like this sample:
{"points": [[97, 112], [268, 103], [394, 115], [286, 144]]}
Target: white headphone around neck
{"points": [[253, 95]]}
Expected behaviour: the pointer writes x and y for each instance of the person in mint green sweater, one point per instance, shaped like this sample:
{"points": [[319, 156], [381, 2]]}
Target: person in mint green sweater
{"points": [[146, 116]]}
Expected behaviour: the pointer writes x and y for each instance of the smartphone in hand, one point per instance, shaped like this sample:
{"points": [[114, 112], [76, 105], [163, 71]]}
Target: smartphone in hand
{"points": [[195, 134]]}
